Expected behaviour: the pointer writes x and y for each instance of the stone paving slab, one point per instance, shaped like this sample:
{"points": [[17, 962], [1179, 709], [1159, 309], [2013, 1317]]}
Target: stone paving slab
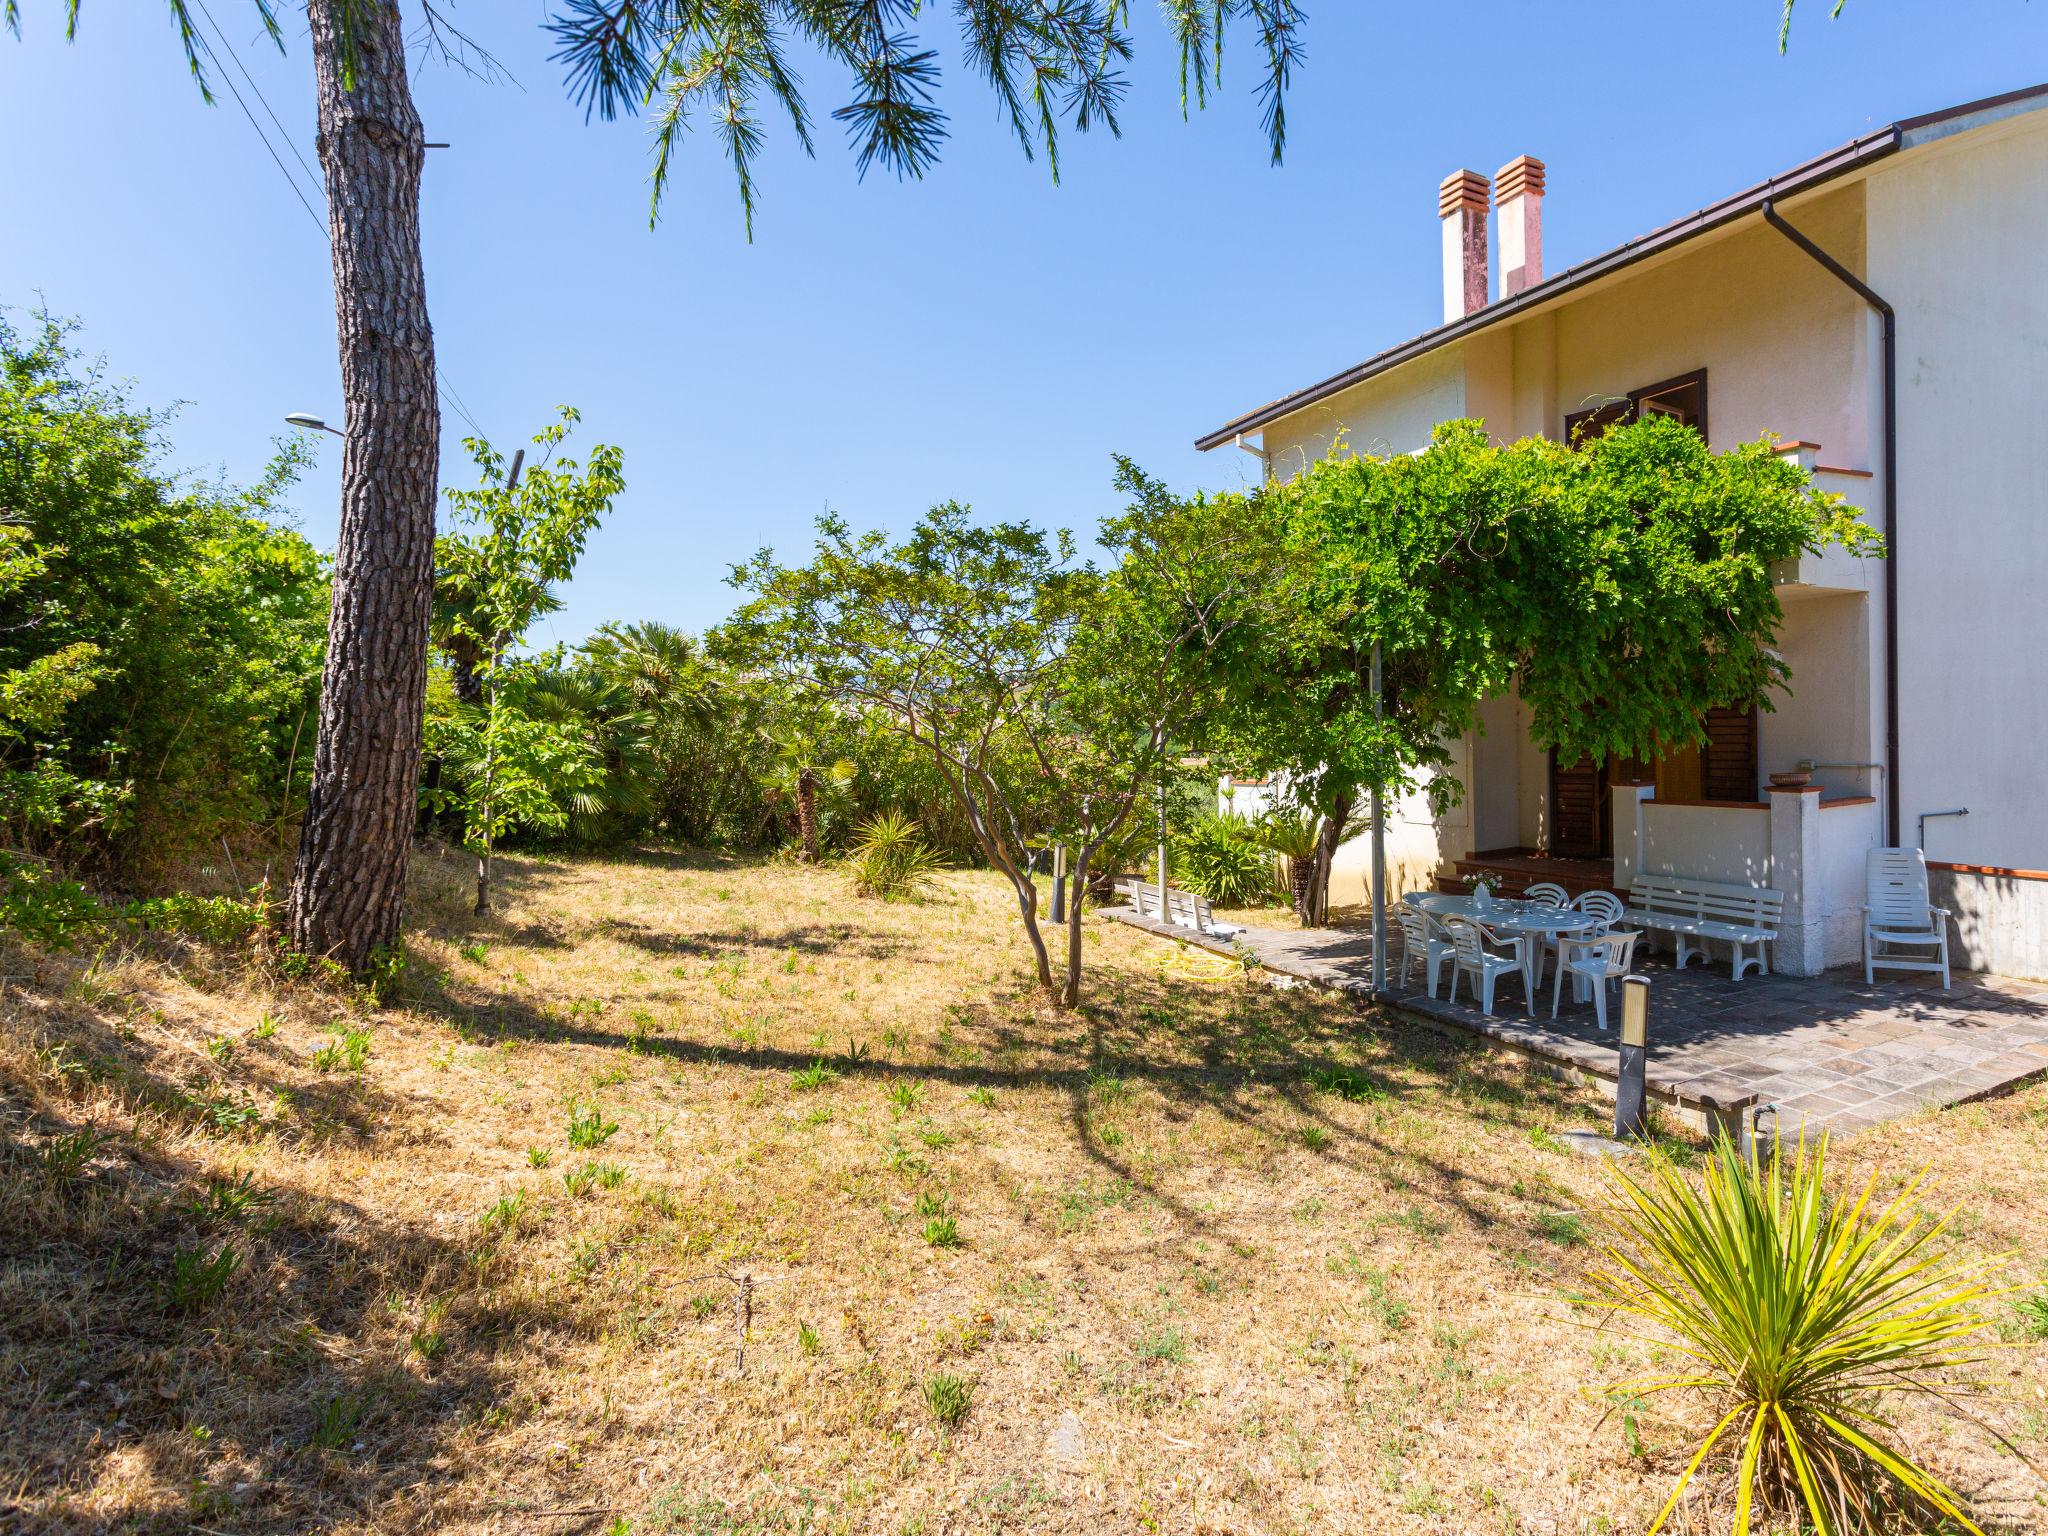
{"points": [[1806, 1053]]}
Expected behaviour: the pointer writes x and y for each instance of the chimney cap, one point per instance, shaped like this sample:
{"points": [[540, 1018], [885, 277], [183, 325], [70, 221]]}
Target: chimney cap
{"points": [[1523, 174], [1461, 189]]}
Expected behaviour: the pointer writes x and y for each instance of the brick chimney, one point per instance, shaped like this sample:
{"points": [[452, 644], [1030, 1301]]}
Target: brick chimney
{"points": [[1518, 194], [1461, 202]]}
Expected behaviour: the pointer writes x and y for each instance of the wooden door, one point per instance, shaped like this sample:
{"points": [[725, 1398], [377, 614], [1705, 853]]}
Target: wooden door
{"points": [[1728, 760], [1579, 819]]}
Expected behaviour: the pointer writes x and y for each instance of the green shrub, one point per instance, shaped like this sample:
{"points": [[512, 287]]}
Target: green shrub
{"points": [[2033, 1315], [350, 1053], [948, 1397], [197, 1278], [809, 1079], [1224, 858], [1348, 1083], [890, 860], [43, 908], [161, 649], [588, 1127], [66, 1157], [216, 919], [334, 1424], [1805, 1316]]}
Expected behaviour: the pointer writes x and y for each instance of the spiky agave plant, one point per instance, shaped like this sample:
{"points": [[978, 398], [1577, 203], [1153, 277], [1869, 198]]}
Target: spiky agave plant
{"points": [[1804, 1317], [889, 859]]}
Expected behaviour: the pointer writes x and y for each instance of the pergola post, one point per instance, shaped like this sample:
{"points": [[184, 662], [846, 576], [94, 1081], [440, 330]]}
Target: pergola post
{"points": [[1379, 850]]}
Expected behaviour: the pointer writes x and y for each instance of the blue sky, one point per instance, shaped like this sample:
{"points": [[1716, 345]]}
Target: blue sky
{"points": [[980, 335]]}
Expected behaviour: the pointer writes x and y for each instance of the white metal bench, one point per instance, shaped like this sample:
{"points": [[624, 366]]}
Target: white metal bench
{"points": [[1184, 909], [1695, 911]]}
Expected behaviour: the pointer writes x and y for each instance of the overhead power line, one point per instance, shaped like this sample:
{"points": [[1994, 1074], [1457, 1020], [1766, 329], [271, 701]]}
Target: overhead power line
{"points": [[447, 389]]}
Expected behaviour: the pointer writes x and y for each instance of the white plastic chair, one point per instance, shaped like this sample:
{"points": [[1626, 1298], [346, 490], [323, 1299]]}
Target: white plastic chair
{"points": [[1547, 893], [1470, 956], [1422, 943], [1604, 905], [1595, 961], [1897, 912]]}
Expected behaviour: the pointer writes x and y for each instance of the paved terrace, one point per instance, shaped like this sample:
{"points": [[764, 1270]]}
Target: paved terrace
{"points": [[1829, 1053]]}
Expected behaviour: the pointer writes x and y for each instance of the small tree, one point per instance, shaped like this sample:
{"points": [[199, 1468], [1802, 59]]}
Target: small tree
{"points": [[1043, 690], [512, 765]]}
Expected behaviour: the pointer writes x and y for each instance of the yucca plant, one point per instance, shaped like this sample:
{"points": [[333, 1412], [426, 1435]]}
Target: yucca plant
{"points": [[1222, 857], [889, 859], [1803, 1318]]}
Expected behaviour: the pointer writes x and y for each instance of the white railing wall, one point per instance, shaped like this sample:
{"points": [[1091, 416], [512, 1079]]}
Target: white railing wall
{"points": [[1811, 850]]}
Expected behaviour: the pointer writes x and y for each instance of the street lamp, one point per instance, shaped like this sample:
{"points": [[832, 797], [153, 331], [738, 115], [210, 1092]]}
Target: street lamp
{"points": [[310, 422]]}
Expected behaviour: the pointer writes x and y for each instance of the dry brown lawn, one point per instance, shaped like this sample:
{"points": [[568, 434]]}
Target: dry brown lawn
{"points": [[1207, 1256]]}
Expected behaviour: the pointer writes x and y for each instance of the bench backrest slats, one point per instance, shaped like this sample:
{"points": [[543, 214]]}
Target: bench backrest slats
{"points": [[1709, 900], [1184, 909]]}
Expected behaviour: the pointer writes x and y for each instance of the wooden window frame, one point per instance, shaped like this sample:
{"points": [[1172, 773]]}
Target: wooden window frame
{"points": [[1629, 408], [1697, 378]]}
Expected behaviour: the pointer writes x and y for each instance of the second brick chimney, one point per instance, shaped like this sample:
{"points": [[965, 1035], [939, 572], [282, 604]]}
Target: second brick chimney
{"points": [[1518, 193], [1461, 202]]}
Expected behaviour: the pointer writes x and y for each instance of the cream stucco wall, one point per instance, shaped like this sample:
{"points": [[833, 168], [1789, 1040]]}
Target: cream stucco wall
{"points": [[1828, 718], [1958, 232], [1394, 413], [1782, 342], [1707, 842]]}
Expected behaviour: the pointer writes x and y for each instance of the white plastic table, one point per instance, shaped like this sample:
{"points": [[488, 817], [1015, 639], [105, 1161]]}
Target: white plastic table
{"points": [[1535, 920]]}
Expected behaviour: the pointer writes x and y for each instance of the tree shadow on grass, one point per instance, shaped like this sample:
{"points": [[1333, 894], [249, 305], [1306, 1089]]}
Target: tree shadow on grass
{"points": [[190, 1350], [1311, 1051]]}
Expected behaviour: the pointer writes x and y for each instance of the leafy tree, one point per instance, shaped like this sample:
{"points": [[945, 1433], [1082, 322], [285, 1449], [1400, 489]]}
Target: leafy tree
{"points": [[1047, 61], [1045, 693], [1621, 591], [159, 641], [513, 765]]}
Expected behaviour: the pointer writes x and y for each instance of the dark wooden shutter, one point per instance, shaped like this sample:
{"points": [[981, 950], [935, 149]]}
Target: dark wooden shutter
{"points": [[1578, 809], [1728, 761]]}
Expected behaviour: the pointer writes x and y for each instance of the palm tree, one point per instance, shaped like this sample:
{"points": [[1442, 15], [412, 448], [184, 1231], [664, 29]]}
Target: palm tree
{"points": [[618, 732], [725, 60], [700, 724], [1294, 835], [1307, 840]]}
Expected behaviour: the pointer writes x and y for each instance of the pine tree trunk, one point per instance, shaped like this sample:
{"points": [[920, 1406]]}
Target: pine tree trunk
{"points": [[348, 890], [807, 813]]}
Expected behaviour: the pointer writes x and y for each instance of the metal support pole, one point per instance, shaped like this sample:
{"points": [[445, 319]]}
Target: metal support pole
{"points": [[1059, 883], [1379, 849], [1629, 1089], [1164, 916]]}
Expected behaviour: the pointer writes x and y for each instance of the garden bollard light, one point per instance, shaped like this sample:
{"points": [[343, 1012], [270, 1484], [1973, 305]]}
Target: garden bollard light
{"points": [[1635, 1056], [1059, 898]]}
